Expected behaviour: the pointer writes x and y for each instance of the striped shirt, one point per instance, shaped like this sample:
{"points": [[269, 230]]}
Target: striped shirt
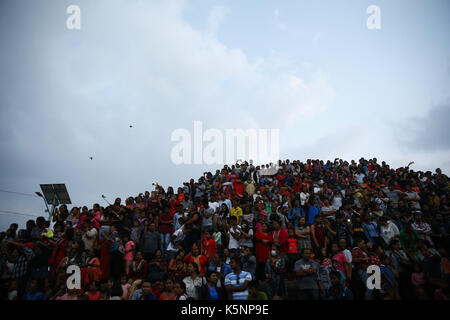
{"points": [[236, 281]]}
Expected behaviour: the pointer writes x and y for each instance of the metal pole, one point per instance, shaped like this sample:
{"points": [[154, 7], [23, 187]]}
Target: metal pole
{"points": [[46, 205]]}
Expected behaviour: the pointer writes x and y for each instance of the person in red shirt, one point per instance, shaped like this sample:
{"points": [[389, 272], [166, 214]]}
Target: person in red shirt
{"points": [[173, 202], [238, 186], [280, 236], [165, 229], [263, 243], [197, 258], [209, 245], [93, 293], [292, 243]]}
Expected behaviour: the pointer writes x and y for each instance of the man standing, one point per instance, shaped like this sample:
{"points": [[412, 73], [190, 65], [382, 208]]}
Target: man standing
{"points": [[308, 271], [237, 281], [151, 241], [89, 236]]}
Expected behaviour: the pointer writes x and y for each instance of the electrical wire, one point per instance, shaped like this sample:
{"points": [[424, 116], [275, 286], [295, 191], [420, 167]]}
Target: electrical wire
{"points": [[23, 194], [19, 213]]}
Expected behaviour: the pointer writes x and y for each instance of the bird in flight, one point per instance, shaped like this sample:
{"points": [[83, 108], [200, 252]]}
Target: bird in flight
{"points": [[131, 126], [91, 158]]}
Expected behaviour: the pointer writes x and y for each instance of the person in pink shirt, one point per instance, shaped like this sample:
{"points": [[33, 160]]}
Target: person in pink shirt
{"points": [[339, 257], [69, 295], [128, 256], [417, 276], [125, 287]]}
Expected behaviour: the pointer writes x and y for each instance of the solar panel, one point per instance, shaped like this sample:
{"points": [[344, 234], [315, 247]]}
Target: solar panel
{"points": [[62, 194], [49, 193], [55, 192]]}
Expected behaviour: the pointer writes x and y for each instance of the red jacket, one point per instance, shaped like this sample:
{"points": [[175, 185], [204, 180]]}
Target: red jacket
{"points": [[282, 239], [262, 250]]}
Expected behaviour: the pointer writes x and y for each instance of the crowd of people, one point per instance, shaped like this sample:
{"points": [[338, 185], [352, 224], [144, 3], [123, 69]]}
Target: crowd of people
{"points": [[301, 230]]}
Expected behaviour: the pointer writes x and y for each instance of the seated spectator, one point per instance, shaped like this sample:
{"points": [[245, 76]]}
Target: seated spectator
{"points": [[93, 293], [337, 291], [168, 293], [254, 293]]}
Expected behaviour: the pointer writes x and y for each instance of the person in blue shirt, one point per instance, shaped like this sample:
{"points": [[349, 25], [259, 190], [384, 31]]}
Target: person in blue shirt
{"points": [[337, 290], [313, 210], [36, 291], [295, 213], [370, 228], [145, 293], [237, 282], [218, 265], [210, 290], [389, 284]]}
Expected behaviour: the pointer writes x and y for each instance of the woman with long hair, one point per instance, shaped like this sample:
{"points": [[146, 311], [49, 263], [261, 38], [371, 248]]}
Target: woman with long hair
{"points": [[169, 292], [179, 289], [199, 259], [94, 272], [194, 281], [303, 233], [263, 242]]}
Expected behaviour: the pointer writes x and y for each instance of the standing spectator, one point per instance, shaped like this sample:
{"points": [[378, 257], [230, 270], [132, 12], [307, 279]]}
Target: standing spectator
{"points": [[193, 281], [169, 292], [280, 237], [151, 241], [303, 234], [210, 290], [388, 230], [248, 261], [237, 281], [308, 271], [274, 273], [199, 259], [128, 251], [337, 291], [166, 229]]}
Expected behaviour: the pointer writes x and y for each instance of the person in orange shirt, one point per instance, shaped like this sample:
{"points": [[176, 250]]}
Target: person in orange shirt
{"points": [[93, 272]]}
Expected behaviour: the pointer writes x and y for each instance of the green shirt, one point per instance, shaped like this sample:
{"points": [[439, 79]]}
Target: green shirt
{"points": [[261, 296]]}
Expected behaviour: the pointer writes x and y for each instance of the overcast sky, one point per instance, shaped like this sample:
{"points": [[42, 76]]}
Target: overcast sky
{"points": [[311, 69]]}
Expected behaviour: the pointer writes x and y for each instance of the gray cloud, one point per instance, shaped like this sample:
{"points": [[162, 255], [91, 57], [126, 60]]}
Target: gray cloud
{"points": [[428, 133]]}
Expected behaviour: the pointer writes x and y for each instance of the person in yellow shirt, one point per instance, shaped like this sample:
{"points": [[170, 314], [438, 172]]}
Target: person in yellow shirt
{"points": [[237, 212]]}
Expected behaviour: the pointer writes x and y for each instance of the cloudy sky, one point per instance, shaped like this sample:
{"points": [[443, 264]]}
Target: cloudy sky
{"points": [[311, 69]]}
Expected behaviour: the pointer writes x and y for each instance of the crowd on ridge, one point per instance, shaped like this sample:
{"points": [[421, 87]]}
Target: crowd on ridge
{"points": [[300, 230]]}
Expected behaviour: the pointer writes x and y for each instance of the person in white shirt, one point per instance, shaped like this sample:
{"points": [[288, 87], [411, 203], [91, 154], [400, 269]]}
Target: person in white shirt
{"points": [[412, 197], [303, 197], [336, 200], [89, 236], [175, 240], [359, 176], [388, 230], [214, 204], [328, 209], [345, 251], [234, 234]]}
